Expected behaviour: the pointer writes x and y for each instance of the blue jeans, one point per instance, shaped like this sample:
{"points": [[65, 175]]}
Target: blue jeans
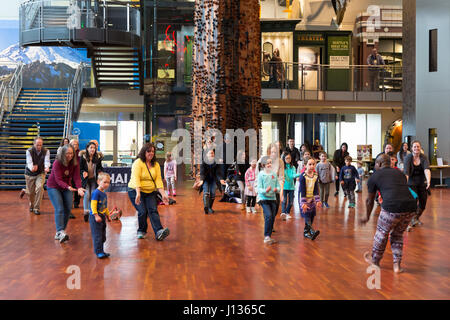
{"points": [[288, 200], [62, 202], [209, 187], [270, 210], [98, 231], [90, 187], [147, 208]]}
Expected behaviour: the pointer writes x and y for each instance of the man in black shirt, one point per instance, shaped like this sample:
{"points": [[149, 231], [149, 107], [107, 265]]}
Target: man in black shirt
{"points": [[397, 210], [293, 151]]}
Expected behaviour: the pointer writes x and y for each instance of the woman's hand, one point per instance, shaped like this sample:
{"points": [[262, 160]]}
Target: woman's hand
{"points": [[304, 207], [85, 174], [223, 182], [137, 200], [81, 192]]}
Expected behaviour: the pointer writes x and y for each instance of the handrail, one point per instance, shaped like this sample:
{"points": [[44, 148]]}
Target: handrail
{"points": [[11, 91], [305, 78], [95, 16], [73, 99]]}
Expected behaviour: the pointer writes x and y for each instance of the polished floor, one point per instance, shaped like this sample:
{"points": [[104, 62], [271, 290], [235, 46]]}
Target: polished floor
{"points": [[219, 256]]}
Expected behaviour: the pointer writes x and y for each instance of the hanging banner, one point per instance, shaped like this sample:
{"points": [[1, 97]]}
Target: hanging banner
{"points": [[120, 176]]}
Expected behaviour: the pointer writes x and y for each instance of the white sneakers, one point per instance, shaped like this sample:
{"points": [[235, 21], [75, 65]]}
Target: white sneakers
{"points": [[285, 216], [269, 240], [248, 210], [61, 236], [253, 209]]}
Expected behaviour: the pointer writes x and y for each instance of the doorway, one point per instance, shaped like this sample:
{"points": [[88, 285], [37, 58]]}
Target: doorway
{"points": [[108, 139]]}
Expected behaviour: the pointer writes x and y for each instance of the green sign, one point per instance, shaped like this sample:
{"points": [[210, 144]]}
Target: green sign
{"points": [[338, 57]]}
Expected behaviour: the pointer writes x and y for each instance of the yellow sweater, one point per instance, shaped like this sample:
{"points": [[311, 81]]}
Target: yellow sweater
{"points": [[141, 178]]}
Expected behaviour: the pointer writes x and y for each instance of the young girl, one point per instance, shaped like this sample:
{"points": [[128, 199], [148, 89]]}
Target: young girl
{"points": [[301, 166], [250, 187], [289, 187], [211, 177], [267, 187], [326, 173], [170, 173], [309, 198]]}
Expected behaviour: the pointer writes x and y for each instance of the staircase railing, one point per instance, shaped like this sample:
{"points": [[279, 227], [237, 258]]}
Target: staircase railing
{"points": [[74, 96], [9, 91]]}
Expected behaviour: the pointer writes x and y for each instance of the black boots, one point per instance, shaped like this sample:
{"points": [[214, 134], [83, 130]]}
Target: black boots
{"points": [[309, 232], [211, 201], [206, 200]]}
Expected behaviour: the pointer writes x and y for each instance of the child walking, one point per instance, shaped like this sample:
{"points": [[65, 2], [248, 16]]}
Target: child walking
{"points": [[289, 186], [267, 187], [325, 171], [347, 177], [98, 215], [309, 199], [361, 173], [170, 173], [250, 187]]}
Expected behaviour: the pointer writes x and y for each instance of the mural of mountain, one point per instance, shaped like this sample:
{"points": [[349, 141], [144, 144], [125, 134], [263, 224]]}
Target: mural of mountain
{"points": [[49, 55], [42, 75]]}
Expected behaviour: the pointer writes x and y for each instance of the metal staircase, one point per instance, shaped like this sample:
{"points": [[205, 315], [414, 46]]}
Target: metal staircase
{"points": [[37, 112]]}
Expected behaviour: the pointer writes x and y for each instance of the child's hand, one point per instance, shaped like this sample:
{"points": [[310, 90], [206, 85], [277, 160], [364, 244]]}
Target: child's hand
{"points": [[342, 182], [97, 218], [275, 190], [358, 181], [319, 204], [250, 188], [268, 189], [108, 218], [223, 182], [304, 207]]}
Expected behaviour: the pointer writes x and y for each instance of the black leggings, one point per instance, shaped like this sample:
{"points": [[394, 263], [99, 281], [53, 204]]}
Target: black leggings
{"points": [[422, 194], [251, 201]]}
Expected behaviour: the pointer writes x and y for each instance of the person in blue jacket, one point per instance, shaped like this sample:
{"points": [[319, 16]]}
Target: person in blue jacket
{"points": [[289, 186], [267, 186], [347, 177]]}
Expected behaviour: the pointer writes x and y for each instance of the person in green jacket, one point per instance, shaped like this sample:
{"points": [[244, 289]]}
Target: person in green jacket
{"points": [[289, 186], [267, 187]]}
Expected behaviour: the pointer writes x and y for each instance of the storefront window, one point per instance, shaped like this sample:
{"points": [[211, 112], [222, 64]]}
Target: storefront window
{"points": [[277, 51], [391, 50]]}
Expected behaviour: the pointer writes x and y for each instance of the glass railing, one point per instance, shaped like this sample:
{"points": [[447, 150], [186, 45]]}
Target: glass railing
{"points": [[37, 16], [312, 81], [10, 90]]}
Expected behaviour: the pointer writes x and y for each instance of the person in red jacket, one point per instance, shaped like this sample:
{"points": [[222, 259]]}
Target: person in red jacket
{"points": [[66, 169]]}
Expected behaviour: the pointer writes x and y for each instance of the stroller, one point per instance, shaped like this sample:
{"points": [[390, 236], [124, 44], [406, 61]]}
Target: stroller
{"points": [[232, 192]]}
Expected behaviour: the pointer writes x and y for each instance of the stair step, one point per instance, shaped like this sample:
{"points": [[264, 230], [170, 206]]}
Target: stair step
{"points": [[12, 187]]}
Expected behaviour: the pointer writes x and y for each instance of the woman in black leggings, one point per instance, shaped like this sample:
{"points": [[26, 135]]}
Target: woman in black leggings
{"points": [[417, 171]]}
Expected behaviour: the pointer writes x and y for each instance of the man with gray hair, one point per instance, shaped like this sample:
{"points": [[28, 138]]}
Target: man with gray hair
{"points": [[37, 166]]}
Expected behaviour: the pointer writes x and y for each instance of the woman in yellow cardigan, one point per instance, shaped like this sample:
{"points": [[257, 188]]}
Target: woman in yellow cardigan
{"points": [[142, 190]]}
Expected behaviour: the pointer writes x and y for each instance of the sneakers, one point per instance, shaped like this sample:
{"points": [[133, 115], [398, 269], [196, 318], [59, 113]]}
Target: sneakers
{"points": [[86, 217], [22, 193], [103, 255], [140, 235], [61, 236], [269, 240], [253, 209], [283, 216], [248, 210], [336, 193], [174, 193], [162, 234], [351, 205], [36, 212], [288, 216], [326, 205]]}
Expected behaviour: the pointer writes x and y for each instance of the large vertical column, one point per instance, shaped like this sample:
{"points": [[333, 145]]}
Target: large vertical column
{"points": [[409, 68], [226, 87]]}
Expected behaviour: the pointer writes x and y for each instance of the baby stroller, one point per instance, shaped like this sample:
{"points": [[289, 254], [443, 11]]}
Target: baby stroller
{"points": [[232, 192]]}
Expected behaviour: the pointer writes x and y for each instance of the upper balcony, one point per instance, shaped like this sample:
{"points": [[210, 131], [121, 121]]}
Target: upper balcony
{"points": [[79, 23], [318, 82]]}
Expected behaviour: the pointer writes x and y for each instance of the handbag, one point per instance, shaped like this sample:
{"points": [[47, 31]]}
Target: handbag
{"points": [[158, 194]]}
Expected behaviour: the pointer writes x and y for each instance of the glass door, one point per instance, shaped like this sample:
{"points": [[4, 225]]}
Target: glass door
{"points": [[108, 144]]}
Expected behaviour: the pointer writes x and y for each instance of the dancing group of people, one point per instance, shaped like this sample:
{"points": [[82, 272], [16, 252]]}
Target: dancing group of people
{"points": [[268, 182]]}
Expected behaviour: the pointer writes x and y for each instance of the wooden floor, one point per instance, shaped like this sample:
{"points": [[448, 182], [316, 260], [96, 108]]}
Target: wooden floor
{"points": [[220, 256]]}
